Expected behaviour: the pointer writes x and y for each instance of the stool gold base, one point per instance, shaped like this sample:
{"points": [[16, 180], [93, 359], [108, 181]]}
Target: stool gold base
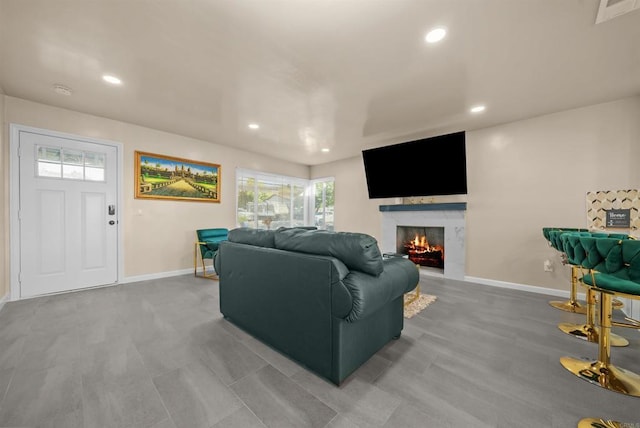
{"points": [[617, 304], [606, 376], [590, 334], [577, 308], [601, 423], [569, 306]]}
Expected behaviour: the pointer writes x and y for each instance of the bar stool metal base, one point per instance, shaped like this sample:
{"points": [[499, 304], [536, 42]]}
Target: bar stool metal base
{"points": [[606, 376], [577, 307], [617, 304], [590, 334], [601, 423], [569, 306]]}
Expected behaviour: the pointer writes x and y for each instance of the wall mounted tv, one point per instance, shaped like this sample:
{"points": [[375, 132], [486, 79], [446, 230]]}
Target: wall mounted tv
{"points": [[427, 167]]}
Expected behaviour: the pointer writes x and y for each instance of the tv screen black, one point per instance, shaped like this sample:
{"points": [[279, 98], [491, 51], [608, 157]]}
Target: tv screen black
{"points": [[427, 167]]}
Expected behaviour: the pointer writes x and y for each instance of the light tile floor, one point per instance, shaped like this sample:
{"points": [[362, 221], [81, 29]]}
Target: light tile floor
{"points": [[159, 354]]}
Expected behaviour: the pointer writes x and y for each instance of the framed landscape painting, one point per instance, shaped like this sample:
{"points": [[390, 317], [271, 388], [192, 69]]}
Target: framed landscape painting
{"points": [[167, 177]]}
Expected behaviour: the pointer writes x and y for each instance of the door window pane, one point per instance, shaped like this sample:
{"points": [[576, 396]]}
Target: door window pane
{"points": [[94, 166], [48, 169], [55, 162], [94, 159], [48, 163], [51, 154], [72, 157]]}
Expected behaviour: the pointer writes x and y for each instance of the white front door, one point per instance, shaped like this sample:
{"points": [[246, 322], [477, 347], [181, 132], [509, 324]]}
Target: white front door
{"points": [[68, 218]]}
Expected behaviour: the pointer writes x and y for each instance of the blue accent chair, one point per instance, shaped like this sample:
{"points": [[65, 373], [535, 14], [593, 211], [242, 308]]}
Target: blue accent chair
{"points": [[207, 243]]}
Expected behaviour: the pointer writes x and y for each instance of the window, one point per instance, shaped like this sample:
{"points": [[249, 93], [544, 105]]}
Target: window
{"points": [[266, 201], [324, 200], [55, 162]]}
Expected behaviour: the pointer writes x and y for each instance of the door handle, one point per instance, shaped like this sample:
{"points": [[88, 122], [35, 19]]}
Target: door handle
{"points": [[112, 222]]}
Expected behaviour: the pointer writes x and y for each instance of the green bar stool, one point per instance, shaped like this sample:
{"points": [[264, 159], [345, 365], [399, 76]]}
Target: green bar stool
{"points": [[571, 305], [618, 275], [586, 258]]}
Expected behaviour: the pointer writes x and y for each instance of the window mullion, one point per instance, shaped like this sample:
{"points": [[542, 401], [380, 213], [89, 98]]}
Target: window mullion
{"points": [[255, 202]]}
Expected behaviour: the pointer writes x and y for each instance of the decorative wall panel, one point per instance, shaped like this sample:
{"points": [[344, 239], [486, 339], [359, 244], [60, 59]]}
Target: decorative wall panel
{"points": [[599, 202]]}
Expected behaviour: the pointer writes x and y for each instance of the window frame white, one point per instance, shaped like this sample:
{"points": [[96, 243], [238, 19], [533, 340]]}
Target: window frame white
{"points": [[292, 182]]}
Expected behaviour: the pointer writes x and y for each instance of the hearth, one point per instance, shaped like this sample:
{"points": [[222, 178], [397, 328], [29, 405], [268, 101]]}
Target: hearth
{"points": [[424, 245]]}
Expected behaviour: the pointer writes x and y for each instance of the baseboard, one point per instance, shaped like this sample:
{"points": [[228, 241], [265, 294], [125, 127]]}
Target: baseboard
{"points": [[523, 287], [629, 310], [126, 280], [147, 277], [4, 299]]}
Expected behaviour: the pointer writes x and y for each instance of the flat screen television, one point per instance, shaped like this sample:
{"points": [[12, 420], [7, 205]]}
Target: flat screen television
{"points": [[428, 167]]}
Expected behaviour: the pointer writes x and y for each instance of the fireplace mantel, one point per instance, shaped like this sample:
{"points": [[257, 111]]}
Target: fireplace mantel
{"points": [[448, 206], [451, 216]]}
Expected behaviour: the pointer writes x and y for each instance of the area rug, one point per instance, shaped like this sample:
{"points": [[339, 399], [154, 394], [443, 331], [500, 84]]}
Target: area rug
{"points": [[418, 305]]}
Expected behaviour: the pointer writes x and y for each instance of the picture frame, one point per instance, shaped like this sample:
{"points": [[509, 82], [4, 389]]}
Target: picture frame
{"points": [[168, 177]]}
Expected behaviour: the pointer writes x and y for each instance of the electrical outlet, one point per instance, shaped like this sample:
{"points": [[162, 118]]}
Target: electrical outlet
{"points": [[548, 267]]}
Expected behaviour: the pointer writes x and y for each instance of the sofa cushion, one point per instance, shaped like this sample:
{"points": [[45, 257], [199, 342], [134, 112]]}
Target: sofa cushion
{"points": [[357, 251], [257, 237]]}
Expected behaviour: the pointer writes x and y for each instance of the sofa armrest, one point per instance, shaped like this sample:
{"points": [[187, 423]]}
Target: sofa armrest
{"points": [[370, 293]]}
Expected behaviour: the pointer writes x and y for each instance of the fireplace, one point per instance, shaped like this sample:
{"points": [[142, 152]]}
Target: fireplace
{"points": [[450, 216], [423, 245]]}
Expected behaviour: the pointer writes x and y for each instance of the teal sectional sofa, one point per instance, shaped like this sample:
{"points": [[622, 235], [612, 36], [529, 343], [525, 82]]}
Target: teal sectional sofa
{"points": [[325, 299]]}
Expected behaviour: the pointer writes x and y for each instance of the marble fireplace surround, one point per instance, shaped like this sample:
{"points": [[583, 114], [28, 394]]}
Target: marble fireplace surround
{"points": [[451, 216]]}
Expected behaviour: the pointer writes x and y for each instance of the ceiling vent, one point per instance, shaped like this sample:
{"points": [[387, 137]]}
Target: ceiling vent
{"points": [[610, 9]]}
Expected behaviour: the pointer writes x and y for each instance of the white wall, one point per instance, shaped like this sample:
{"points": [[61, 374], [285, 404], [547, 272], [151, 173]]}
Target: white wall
{"points": [[161, 238], [354, 211], [522, 176], [535, 173], [4, 212]]}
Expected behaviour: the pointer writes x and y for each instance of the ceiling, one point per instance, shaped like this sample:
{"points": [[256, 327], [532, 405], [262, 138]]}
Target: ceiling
{"points": [[343, 75]]}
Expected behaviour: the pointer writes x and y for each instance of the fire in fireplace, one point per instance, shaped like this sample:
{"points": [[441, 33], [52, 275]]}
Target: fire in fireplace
{"points": [[423, 245]]}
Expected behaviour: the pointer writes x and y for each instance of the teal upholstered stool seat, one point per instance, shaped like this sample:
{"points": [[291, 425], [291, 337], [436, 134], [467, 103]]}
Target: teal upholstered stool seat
{"points": [[207, 243], [616, 273], [558, 239]]}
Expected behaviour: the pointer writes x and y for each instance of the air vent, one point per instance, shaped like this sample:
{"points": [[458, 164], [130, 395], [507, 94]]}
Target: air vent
{"points": [[610, 9]]}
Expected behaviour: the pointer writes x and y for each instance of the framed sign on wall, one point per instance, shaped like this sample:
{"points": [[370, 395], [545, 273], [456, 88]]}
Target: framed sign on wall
{"points": [[614, 209]]}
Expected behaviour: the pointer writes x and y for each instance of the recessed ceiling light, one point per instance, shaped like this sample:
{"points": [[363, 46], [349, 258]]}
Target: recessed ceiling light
{"points": [[254, 126], [435, 35], [62, 90], [325, 150], [477, 109], [111, 79]]}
